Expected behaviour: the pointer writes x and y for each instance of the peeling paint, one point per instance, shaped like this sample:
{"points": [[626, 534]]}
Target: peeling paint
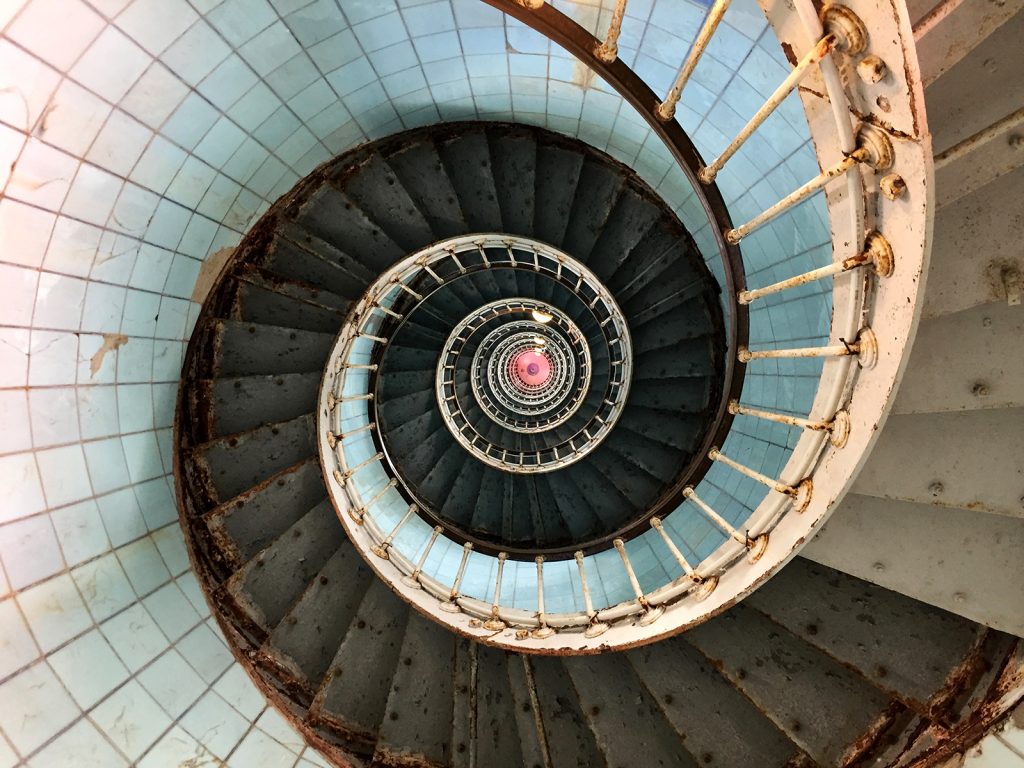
{"points": [[209, 271], [111, 342]]}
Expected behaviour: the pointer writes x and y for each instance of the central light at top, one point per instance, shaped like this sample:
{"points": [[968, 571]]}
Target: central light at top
{"points": [[541, 317], [532, 367]]}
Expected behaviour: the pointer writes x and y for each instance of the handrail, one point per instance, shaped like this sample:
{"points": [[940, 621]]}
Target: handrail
{"points": [[860, 370]]}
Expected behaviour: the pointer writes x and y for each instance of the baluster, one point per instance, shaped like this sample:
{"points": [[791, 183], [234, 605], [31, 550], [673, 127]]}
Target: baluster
{"points": [[801, 494], [595, 628], [666, 110], [342, 477], [381, 550], [651, 613], [494, 623], [705, 585], [452, 605], [877, 254], [360, 513], [609, 49], [865, 348], [838, 428], [413, 579], [755, 547], [873, 149], [333, 438], [543, 630]]}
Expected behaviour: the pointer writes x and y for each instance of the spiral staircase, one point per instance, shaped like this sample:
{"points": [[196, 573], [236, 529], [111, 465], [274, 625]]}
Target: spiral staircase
{"points": [[490, 450]]}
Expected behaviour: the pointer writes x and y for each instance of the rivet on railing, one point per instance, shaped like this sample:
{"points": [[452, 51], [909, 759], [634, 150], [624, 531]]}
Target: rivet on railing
{"points": [[543, 630], [873, 149], [705, 585], [877, 254], [609, 49], [358, 514], [801, 494], [838, 428], [413, 579], [865, 348], [595, 628], [755, 547], [651, 613], [666, 110], [452, 606], [494, 623], [381, 550]]}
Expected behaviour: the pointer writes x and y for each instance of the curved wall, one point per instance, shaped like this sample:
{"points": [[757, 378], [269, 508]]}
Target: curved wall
{"points": [[138, 140]]}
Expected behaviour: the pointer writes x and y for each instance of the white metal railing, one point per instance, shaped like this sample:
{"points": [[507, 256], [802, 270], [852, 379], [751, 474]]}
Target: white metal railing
{"points": [[873, 293]]}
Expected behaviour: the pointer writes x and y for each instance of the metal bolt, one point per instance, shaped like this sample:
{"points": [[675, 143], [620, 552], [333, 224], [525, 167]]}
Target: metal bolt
{"points": [[872, 69], [879, 566], [936, 488], [959, 597], [883, 103], [980, 389], [893, 186], [986, 322], [1016, 141]]}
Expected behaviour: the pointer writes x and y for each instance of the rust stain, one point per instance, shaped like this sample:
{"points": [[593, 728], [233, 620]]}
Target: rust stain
{"points": [[111, 341], [209, 271]]}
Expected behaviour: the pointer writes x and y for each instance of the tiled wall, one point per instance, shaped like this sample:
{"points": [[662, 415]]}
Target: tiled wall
{"points": [[139, 137]]}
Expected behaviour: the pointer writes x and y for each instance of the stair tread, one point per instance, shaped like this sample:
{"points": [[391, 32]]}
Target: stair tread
{"points": [[247, 349]]}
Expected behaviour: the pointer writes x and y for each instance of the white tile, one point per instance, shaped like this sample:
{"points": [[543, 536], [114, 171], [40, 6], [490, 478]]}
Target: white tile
{"points": [[143, 456], [11, 142], [17, 294], [16, 434], [80, 532], [97, 411], [97, 357], [54, 611], [155, 24], [992, 753], [173, 683], [274, 725], [135, 401], [42, 176], [92, 195], [23, 493], [135, 637], [44, 708], [258, 750], [110, 65], [120, 143], [73, 247], [30, 550], [54, 412], [158, 165], [73, 119], [8, 758], [196, 53], [61, 43], [82, 746], [171, 544], [190, 586], [133, 210], [143, 565], [89, 668], [216, 724], [122, 516], [131, 719], [103, 586], [26, 84], [238, 690], [155, 96], [24, 233], [205, 652], [17, 648], [53, 358], [178, 748], [107, 468], [59, 302], [172, 611], [65, 478], [104, 305], [14, 343]]}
